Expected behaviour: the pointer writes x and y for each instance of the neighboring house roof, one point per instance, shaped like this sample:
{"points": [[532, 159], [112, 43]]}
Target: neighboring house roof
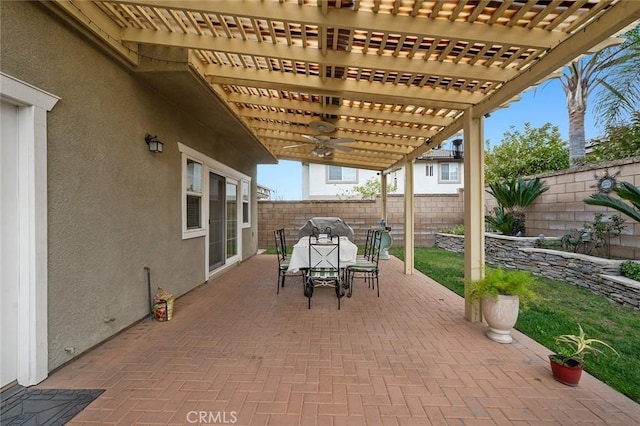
{"points": [[439, 155]]}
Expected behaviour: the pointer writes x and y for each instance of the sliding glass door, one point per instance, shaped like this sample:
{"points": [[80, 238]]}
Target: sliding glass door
{"points": [[223, 220], [217, 225], [232, 218]]}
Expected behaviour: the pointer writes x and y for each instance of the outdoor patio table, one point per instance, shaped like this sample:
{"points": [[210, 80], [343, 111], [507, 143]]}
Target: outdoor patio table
{"points": [[300, 254]]}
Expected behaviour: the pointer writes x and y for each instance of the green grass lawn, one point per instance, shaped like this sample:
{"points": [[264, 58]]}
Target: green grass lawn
{"points": [[561, 308]]}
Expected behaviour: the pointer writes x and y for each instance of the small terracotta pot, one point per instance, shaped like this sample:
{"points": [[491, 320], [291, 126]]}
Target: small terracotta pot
{"points": [[565, 371]]}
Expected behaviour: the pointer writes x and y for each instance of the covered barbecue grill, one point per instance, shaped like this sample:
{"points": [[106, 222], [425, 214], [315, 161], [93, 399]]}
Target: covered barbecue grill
{"points": [[337, 225]]}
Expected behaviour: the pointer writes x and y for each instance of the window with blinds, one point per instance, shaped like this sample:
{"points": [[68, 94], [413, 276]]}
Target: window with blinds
{"points": [[449, 172], [194, 194]]}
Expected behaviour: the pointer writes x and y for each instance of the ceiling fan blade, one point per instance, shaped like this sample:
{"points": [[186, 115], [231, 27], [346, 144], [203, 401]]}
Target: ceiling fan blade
{"points": [[342, 140], [295, 146], [311, 138], [342, 148]]}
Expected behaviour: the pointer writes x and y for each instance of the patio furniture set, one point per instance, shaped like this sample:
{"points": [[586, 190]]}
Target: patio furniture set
{"points": [[326, 256]]}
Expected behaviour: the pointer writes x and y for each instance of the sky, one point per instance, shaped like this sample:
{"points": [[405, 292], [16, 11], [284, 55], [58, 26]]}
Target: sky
{"points": [[546, 103]]}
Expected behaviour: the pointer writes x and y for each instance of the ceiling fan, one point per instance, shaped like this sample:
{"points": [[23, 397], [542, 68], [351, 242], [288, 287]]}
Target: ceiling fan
{"points": [[324, 143]]}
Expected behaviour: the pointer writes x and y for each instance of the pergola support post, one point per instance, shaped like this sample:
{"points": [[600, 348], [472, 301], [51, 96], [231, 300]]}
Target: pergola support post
{"points": [[408, 219], [474, 257], [383, 190]]}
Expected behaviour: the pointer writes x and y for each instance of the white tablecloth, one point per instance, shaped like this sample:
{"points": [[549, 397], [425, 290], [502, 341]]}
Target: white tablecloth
{"points": [[300, 255]]}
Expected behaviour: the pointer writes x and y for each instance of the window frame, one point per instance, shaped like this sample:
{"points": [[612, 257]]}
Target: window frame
{"points": [[208, 165], [204, 187], [445, 181], [245, 202], [342, 179], [429, 169]]}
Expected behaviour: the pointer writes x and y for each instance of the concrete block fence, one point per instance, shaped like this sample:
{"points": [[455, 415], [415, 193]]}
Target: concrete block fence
{"points": [[562, 207], [433, 213], [553, 214]]}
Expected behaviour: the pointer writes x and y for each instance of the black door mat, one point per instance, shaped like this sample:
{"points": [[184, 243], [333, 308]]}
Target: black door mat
{"points": [[36, 407]]}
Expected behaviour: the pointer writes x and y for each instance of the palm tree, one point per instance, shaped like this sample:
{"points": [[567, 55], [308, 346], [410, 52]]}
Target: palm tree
{"points": [[583, 75], [621, 97], [514, 196], [625, 191]]}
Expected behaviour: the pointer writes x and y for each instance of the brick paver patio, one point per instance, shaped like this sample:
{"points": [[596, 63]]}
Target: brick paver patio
{"points": [[236, 351]]}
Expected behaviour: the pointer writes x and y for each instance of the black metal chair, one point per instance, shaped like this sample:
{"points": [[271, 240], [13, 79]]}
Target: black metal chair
{"points": [[324, 266], [281, 251], [366, 268], [367, 246]]}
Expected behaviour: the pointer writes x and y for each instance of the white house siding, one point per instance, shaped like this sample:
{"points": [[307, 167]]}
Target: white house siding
{"points": [[318, 187]]}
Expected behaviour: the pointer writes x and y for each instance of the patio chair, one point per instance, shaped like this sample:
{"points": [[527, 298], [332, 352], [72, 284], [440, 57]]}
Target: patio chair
{"points": [[367, 246], [324, 266], [366, 269], [281, 251]]}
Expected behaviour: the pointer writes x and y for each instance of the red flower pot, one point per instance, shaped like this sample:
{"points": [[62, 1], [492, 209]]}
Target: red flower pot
{"points": [[566, 371]]}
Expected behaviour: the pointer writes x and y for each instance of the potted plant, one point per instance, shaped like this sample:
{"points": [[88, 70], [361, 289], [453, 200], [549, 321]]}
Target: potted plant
{"points": [[566, 366], [501, 293]]}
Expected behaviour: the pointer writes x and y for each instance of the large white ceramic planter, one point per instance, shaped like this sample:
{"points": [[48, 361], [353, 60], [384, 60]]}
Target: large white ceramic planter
{"points": [[501, 315]]}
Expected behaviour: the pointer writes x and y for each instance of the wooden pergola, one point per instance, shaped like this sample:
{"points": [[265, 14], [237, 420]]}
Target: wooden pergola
{"points": [[368, 84]]}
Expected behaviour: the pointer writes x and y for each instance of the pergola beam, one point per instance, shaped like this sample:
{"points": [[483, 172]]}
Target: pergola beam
{"points": [[363, 129], [376, 23], [338, 110], [356, 90], [330, 58]]}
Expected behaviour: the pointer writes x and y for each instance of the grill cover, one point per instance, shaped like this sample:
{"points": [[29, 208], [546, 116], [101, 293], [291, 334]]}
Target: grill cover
{"points": [[337, 225]]}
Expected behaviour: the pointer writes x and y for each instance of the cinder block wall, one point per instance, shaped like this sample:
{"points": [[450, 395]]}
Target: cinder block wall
{"points": [[432, 214], [562, 207], [553, 214]]}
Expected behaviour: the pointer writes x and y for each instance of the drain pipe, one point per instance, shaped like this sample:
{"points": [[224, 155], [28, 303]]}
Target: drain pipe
{"points": [[148, 270]]}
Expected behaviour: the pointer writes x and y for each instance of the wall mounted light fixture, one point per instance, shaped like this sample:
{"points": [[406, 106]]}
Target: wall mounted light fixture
{"points": [[155, 145]]}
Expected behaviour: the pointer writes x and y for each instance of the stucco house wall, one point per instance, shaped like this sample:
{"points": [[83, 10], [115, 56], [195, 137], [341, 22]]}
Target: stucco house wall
{"points": [[113, 206]]}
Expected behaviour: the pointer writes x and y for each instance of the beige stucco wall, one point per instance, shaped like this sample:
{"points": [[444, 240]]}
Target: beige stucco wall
{"points": [[113, 207]]}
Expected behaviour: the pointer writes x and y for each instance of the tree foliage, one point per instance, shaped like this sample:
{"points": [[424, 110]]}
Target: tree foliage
{"points": [[607, 69], [626, 191], [620, 141], [370, 189], [534, 150], [621, 97]]}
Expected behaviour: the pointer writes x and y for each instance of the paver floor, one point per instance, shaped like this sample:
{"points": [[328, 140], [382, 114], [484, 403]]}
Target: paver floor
{"points": [[235, 352]]}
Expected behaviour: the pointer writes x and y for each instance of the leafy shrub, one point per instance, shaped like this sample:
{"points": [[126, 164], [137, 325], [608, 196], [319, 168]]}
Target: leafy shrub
{"points": [[595, 237], [542, 242], [456, 230], [630, 269], [498, 281], [504, 222], [514, 197]]}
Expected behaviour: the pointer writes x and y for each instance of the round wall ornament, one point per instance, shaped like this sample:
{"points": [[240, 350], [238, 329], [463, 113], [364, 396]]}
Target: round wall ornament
{"points": [[607, 182]]}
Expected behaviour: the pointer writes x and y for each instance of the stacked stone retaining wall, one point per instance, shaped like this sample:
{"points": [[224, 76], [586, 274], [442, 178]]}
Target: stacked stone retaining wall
{"points": [[601, 276]]}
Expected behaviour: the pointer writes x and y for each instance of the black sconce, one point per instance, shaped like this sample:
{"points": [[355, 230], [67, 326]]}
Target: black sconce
{"points": [[457, 148], [155, 145]]}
